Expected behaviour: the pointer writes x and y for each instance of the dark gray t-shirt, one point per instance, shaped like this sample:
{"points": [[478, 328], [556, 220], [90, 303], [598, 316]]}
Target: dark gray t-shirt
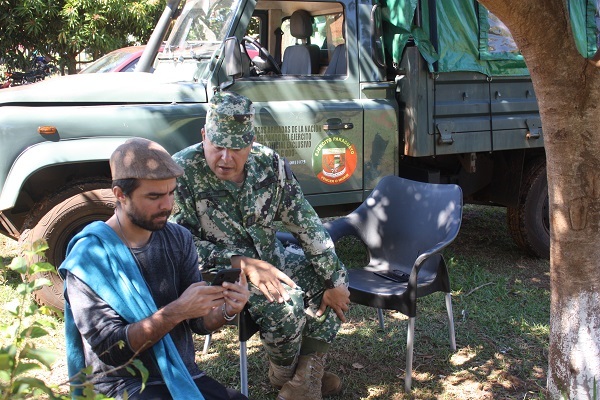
{"points": [[169, 264]]}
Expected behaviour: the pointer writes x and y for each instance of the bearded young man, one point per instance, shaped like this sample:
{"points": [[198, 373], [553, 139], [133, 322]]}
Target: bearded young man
{"points": [[135, 280]]}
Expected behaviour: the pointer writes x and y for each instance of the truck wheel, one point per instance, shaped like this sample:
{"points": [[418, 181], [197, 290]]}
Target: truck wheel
{"points": [[64, 215], [529, 221]]}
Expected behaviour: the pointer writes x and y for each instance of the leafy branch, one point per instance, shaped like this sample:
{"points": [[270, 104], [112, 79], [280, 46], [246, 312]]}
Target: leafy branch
{"points": [[20, 355]]}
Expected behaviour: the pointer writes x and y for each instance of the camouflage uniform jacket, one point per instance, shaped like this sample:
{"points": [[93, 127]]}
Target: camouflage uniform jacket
{"points": [[228, 220]]}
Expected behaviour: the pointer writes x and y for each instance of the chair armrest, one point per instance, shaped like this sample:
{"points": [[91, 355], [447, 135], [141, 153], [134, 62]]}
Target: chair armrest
{"points": [[435, 249], [340, 227], [337, 229]]}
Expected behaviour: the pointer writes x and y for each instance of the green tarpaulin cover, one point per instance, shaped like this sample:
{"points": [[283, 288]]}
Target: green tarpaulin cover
{"points": [[584, 22], [461, 35]]}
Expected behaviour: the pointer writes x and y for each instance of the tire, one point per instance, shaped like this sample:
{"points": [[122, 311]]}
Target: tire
{"points": [[63, 215], [529, 221]]}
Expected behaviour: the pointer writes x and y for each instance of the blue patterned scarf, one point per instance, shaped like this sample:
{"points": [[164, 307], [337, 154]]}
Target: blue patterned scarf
{"points": [[98, 257]]}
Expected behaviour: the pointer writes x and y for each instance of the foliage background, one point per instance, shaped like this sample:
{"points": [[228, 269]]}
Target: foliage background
{"points": [[62, 29]]}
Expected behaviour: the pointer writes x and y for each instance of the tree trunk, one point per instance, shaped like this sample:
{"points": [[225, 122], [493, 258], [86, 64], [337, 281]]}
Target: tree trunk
{"points": [[567, 87], [71, 63]]}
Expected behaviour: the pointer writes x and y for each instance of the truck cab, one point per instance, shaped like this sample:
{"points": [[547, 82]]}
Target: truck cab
{"points": [[318, 85]]}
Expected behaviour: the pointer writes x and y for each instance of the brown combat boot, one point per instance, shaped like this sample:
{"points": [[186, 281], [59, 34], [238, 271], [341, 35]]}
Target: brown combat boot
{"points": [[306, 383], [331, 384], [279, 375]]}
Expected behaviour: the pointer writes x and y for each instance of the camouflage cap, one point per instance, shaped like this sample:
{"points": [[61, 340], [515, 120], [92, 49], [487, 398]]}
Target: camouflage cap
{"points": [[140, 158], [230, 121]]}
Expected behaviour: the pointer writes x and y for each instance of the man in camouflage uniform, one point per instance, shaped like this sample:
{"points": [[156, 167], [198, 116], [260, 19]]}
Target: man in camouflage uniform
{"points": [[232, 192]]}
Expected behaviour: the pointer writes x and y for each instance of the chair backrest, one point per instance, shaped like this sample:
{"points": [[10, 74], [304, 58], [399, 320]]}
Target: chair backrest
{"points": [[402, 219], [301, 58]]}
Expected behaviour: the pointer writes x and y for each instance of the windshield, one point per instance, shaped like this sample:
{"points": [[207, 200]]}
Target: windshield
{"points": [[198, 32], [122, 60], [202, 22]]}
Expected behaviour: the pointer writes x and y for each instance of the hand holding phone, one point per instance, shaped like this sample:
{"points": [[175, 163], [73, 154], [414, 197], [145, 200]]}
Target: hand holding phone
{"points": [[226, 275]]}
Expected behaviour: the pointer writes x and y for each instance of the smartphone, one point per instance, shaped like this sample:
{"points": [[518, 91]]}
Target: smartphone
{"points": [[226, 275], [394, 275]]}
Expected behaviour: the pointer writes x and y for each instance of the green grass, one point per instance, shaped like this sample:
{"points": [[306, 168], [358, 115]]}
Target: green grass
{"points": [[501, 310]]}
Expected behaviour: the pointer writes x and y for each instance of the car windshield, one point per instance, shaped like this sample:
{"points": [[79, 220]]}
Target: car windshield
{"points": [[108, 63], [202, 22], [198, 32]]}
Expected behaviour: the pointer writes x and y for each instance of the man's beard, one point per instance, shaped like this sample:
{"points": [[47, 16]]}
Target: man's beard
{"points": [[148, 224]]}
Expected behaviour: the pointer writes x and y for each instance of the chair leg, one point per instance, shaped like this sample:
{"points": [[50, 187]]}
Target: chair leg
{"points": [[410, 338], [243, 369], [207, 340], [451, 321], [380, 317]]}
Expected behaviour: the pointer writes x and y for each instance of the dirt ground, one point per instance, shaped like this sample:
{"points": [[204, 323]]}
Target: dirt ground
{"points": [[484, 235]]}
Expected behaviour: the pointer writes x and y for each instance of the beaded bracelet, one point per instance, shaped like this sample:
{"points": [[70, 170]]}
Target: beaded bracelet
{"points": [[225, 316]]}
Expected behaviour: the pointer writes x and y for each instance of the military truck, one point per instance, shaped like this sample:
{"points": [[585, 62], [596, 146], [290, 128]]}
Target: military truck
{"points": [[348, 91]]}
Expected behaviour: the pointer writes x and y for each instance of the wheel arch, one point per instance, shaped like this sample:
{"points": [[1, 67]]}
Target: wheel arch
{"points": [[59, 218], [44, 169], [42, 161]]}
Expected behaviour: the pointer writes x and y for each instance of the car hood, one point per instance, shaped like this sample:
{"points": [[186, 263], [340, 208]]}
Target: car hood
{"points": [[106, 88]]}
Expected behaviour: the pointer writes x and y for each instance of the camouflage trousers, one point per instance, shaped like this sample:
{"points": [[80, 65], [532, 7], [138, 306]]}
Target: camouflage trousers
{"points": [[283, 326]]}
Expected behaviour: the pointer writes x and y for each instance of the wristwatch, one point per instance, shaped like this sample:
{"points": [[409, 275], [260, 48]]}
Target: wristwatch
{"points": [[329, 284]]}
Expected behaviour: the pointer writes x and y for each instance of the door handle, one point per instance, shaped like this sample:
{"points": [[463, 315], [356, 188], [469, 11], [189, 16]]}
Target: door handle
{"points": [[342, 125]]}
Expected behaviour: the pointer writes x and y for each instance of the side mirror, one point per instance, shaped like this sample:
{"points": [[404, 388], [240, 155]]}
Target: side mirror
{"points": [[233, 57]]}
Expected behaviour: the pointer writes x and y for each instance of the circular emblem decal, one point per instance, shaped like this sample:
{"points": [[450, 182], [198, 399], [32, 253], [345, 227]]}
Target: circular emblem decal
{"points": [[334, 160]]}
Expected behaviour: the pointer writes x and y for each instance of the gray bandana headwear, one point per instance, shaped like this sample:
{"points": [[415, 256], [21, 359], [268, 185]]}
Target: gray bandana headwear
{"points": [[230, 121]]}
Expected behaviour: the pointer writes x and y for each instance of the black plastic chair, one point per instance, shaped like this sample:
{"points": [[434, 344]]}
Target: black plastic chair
{"points": [[404, 225], [246, 329]]}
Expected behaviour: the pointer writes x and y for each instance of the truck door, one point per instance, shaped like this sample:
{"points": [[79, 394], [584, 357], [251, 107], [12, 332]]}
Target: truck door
{"points": [[314, 119]]}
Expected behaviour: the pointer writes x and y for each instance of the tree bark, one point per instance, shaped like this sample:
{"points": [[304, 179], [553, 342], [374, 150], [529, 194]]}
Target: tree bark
{"points": [[567, 87]]}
